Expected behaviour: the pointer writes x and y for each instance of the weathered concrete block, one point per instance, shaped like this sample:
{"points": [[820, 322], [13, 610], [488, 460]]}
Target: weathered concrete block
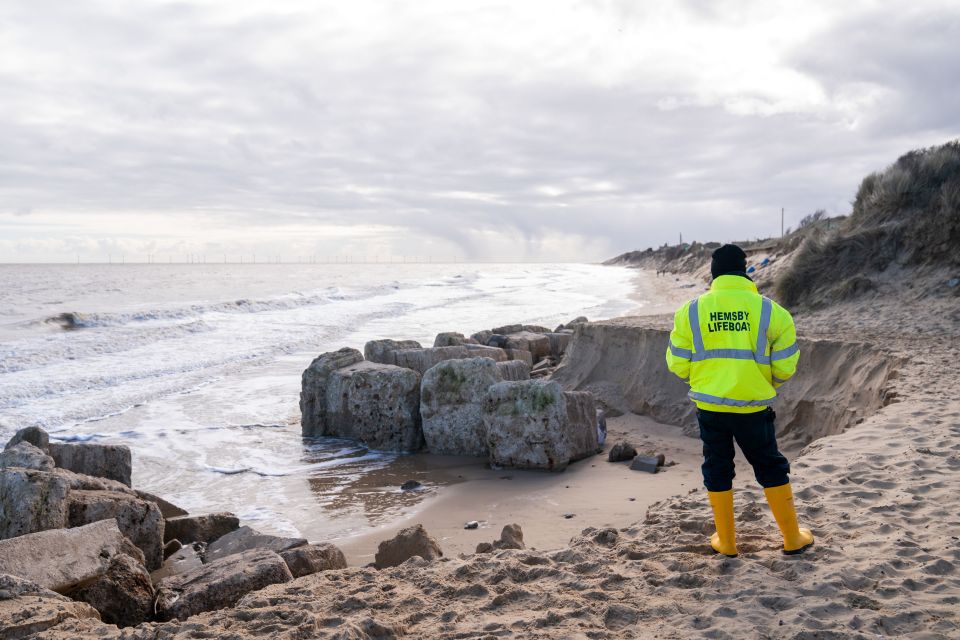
{"points": [[409, 542], [34, 435], [31, 501], [451, 406], [168, 509], [123, 595], [139, 520], [422, 359], [219, 584], [111, 461], [25, 456], [60, 559], [452, 339], [650, 464], [313, 391], [482, 337], [313, 558], [537, 344], [27, 609], [536, 425], [244, 539], [514, 370], [382, 350], [559, 343], [523, 356], [508, 328], [378, 404], [201, 528], [183, 560]]}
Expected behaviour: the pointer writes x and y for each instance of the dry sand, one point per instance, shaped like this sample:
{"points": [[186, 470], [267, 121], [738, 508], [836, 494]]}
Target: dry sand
{"points": [[881, 497]]}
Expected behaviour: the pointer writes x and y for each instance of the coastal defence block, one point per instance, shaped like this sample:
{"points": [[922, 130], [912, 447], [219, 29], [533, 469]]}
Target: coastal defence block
{"points": [[139, 520], [533, 424], [313, 390], [31, 501], [513, 370], [420, 360], [382, 350], [111, 461], [451, 405]]}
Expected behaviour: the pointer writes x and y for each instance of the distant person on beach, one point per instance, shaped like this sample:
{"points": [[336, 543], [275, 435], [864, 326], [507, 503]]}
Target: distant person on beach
{"points": [[735, 348]]}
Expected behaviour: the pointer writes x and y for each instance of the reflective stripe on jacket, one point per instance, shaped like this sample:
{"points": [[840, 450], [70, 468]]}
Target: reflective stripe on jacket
{"points": [[734, 346]]}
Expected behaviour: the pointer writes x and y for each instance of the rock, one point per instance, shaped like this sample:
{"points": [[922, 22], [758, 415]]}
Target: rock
{"points": [[578, 320], [313, 558], [34, 435], [420, 360], [481, 337], [313, 391], [650, 464], [25, 456], [181, 561], [168, 509], [203, 528], [509, 328], [123, 595], [533, 424], [514, 370], [139, 520], [481, 351], [523, 356], [219, 584], [473, 524], [127, 547], [411, 485], [496, 340], [538, 345], [568, 516], [79, 481], [111, 461], [378, 404], [484, 547], [171, 548], [28, 609], [451, 339], [559, 343], [60, 559], [451, 406], [31, 501], [382, 350], [246, 538], [535, 328], [510, 538], [409, 542], [621, 451]]}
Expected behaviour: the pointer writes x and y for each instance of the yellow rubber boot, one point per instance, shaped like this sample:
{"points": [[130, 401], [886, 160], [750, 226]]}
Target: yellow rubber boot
{"points": [[725, 539], [795, 539]]}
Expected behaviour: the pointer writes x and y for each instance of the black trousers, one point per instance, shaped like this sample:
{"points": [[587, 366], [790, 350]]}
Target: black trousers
{"points": [[755, 435]]}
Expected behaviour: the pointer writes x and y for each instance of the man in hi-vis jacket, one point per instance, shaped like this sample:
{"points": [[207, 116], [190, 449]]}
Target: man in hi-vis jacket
{"points": [[735, 348]]}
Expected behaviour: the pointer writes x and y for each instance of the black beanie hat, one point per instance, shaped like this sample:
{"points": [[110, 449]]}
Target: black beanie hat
{"points": [[726, 259]]}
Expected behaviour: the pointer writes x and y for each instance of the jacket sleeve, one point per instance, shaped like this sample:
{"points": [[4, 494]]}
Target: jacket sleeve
{"points": [[784, 352], [680, 349]]}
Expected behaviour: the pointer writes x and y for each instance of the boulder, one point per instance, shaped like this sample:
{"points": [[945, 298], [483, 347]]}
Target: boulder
{"points": [[123, 595], [532, 424], [650, 464], [219, 584], [378, 404], [578, 320], [28, 609], [382, 350], [509, 328], [313, 558], [409, 542], [25, 456], [34, 435], [313, 392], [559, 343], [482, 337], [167, 509], [535, 328], [60, 559], [422, 359], [31, 501], [481, 351], [451, 406], [513, 370], [621, 452], [139, 520], [203, 528], [538, 345], [244, 539], [497, 340], [510, 538], [523, 356], [111, 461], [180, 561], [78, 481], [452, 339]]}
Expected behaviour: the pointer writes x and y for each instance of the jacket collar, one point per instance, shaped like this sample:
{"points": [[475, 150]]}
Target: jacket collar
{"points": [[728, 282]]}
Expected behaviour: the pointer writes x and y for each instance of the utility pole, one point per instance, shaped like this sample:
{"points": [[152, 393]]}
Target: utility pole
{"points": [[781, 222], [681, 238]]}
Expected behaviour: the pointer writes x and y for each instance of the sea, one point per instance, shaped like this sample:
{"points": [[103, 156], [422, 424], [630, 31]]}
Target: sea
{"points": [[196, 367]]}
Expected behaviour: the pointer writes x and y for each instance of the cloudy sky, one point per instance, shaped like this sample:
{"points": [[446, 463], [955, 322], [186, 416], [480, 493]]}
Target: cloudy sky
{"points": [[523, 129]]}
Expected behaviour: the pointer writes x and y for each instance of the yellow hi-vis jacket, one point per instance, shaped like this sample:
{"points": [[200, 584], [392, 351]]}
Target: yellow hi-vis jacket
{"points": [[734, 346]]}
